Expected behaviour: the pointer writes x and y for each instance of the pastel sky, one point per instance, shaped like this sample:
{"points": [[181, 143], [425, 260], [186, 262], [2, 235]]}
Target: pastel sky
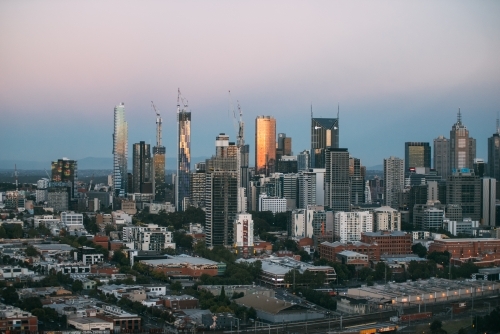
{"points": [[399, 70]]}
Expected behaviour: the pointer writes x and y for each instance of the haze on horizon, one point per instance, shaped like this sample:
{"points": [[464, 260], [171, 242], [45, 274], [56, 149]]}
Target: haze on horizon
{"points": [[399, 70]]}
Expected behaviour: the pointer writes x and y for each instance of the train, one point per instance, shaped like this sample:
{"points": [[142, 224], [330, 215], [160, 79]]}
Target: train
{"points": [[412, 317]]}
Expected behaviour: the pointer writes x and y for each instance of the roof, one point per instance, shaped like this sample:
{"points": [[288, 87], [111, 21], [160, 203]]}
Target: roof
{"points": [[89, 320], [47, 247], [180, 259], [385, 234], [385, 209], [267, 304], [351, 253], [327, 123]]}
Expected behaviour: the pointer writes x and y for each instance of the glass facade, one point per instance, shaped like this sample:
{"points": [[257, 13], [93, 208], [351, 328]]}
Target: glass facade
{"points": [[159, 173], [120, 145], [265, 145], [417, 154], [183, 158], [324, 133]]}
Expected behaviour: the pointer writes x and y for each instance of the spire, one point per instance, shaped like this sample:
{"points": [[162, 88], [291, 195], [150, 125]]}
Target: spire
{"points": [[498, 124], [459, 117], [311, 110], [338, 110]]}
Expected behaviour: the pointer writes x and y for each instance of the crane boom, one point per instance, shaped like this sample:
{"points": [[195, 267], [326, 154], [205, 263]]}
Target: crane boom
{"points": [[158, 125]]}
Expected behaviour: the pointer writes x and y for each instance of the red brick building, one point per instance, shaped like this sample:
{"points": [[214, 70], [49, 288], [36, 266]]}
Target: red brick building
{"points": [[390, 242], [329, 250], [15, 319], [180, 302], [101, 240], [484, 252]]}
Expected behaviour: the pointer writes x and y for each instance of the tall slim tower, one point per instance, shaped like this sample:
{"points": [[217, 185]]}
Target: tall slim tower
{"points": [[265, 144], [324, 133], [442, 156], [182, 184], [141, 169], [394, 181], [494, 154], [462, 147], [120, 145], [158, 161]]}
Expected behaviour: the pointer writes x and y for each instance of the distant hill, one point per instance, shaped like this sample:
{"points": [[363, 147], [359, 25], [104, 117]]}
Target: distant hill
{"points": [[85, 163], [376, 167]]}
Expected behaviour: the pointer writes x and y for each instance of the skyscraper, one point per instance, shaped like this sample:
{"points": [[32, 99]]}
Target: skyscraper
{"points": [[120, 146], [337, 185], [357, 181], [221, 201], [442, 156], [464, 187], [182, 184], [324, 133], [284, 146], [462, 147], [417, 154], [303, 160], [494, 155], [66, 170], [488, 201], [394, 181], [141, 168], [159, 162], [265, 145]]}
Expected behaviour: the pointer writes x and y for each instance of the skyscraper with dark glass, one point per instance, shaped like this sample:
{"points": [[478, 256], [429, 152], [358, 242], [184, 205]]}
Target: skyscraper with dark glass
{"points": [[442, 156], [142, 168], [120, 146], [337, 179], [66, 170], [324, 134], [417, 154], [183, 156], [494, 155]]}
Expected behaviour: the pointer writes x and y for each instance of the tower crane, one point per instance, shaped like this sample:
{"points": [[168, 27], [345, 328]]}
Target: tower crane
{"points": [[158, 125], [90, 183]]}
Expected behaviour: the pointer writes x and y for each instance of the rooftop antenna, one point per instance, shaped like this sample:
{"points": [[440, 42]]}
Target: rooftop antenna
{"points": [[498, 124], [459, 117], [311, 110], [338, 110]]}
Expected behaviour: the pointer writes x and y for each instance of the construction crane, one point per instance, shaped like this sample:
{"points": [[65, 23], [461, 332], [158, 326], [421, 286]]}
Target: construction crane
{"points": [[48, 176], [238, 124], [180, 99], [158, 124]]}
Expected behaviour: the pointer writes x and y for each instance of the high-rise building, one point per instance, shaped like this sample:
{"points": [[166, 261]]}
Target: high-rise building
{"points": [[197, 191], [417, 154], [120, 146], [337, 186], [488, 201], [464, 187], [357, 181], [348, 226], [141, 168], [265, 145], [284, 146], [494, 155], [324, 133], [442, 156], [386, 219], [182, 186], [221, 201], [243, 234], [462, 147], [66, 170], [303, 159], [394, 181], [306, 189], [287, 164], [159, 162]]}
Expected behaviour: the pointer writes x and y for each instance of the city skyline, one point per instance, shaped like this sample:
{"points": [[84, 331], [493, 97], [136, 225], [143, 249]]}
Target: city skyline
{"points": [[397, 78]]}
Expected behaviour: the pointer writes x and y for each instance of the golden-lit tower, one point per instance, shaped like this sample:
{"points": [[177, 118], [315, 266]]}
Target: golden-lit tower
{"points": [[265, 144]]}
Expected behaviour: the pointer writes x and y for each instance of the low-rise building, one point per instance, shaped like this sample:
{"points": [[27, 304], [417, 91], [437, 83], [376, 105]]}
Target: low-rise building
{"points": [[180, 302], [15, 319], [90, 324], [184, 266], [358, 260], [88, 255], [7, 272]]}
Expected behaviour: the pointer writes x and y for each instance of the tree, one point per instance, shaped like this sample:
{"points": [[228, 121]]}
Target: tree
{"points": [[31, 303], [77, 286], [436, 327], [10, 295], [419, 249], [176, 286], [31, 251]]}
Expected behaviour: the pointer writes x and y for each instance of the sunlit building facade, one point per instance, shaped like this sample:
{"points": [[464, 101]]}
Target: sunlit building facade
{"points": [[159, 173], [66, 170], [183, 158], [265, 144], [462, 147], [120, 151], [417, 154]]}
